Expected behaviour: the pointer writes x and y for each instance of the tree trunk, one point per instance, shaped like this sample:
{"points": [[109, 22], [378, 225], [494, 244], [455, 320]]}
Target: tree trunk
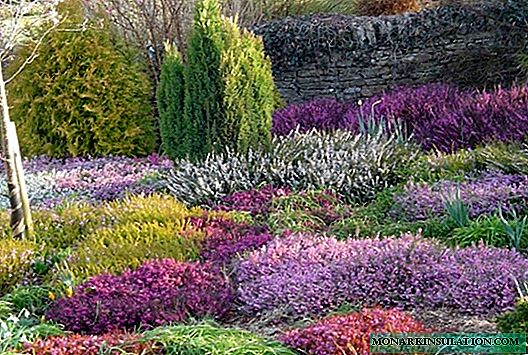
{"points": [[17, 221]]}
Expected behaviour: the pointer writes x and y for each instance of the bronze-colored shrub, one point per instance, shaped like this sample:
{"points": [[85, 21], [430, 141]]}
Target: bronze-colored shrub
{"points": [[386, 7]]}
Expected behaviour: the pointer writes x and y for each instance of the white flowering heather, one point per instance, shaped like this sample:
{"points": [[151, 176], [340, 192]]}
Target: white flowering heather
{"points": [[354, 165]]}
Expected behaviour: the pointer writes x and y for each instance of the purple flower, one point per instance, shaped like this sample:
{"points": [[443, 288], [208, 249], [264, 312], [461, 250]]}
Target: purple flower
{"points": [[483, 195], [308, 275]]}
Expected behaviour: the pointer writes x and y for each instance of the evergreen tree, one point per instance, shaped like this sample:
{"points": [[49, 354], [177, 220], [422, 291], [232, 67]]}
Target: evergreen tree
{"points": [[174, 125], [203, 80], [84, 94]]}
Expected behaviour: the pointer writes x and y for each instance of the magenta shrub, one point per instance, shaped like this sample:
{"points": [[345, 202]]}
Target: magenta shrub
{"points": [[322, 114], [439, 116], [224, 239], [309, 275], [350, 334], [158, 292], [256, 202]]}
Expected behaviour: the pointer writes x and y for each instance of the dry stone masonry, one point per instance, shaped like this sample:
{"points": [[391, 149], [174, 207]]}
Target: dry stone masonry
{"points": [[356, 57]]}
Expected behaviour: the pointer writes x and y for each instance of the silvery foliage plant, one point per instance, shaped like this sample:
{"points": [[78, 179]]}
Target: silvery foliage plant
{"points": [[355, 165]]}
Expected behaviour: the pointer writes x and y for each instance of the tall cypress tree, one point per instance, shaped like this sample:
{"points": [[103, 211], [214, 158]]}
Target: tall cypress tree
{"points": [[175, 127], [203, 80]]}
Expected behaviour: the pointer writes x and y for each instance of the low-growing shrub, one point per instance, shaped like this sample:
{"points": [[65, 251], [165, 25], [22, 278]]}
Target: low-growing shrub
{"points": [[359, 226], [256, 201], [310, 275], [482, 196], [76, 344], [16, 257], [356, 166], [350, 334], [157, 293], [206, 338], [515, 321], [224, 239], [437, 166], [438, 116], [66, 226], [306, 212], [53, 182], [321, 114], [448, 119], [509, 158], [127, 246]]}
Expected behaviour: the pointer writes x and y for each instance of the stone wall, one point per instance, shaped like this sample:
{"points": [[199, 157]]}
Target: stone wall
{"points": [[356, 57]]}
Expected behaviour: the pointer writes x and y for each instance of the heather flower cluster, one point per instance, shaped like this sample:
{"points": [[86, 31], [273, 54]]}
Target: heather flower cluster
{"points": [[110, 343], [307, 275], [321, 114], [438, 115], [256, 202], [483, 196], [53, 181], [224, 239], [159, 292], [350, 334]]}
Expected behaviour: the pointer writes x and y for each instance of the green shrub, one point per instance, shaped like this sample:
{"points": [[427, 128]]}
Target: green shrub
{"points": [[129, 245], [439, 166], [83, 95], [311, 211], [523, 60], [203, 79], [15, 262], [207, 338], [249, 91], [69, 225], [360, 226], [174, 126], [515, 321]]}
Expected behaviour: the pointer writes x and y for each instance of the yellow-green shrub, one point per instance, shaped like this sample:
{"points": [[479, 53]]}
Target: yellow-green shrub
{"points": [[15, 261], [65, 227], [128, 246], [85, 94]]}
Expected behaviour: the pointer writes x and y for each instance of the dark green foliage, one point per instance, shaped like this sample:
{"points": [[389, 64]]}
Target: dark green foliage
{"points": [[203, 80], [249, 96], [492, 231], [515, 321], [174, 125], [83, 94], [35, 299]]}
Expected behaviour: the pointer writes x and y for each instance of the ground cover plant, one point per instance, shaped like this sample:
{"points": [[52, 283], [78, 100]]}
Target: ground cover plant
{"points": [[54, 181], [350, 333], [306, 275], [439, 116]]}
